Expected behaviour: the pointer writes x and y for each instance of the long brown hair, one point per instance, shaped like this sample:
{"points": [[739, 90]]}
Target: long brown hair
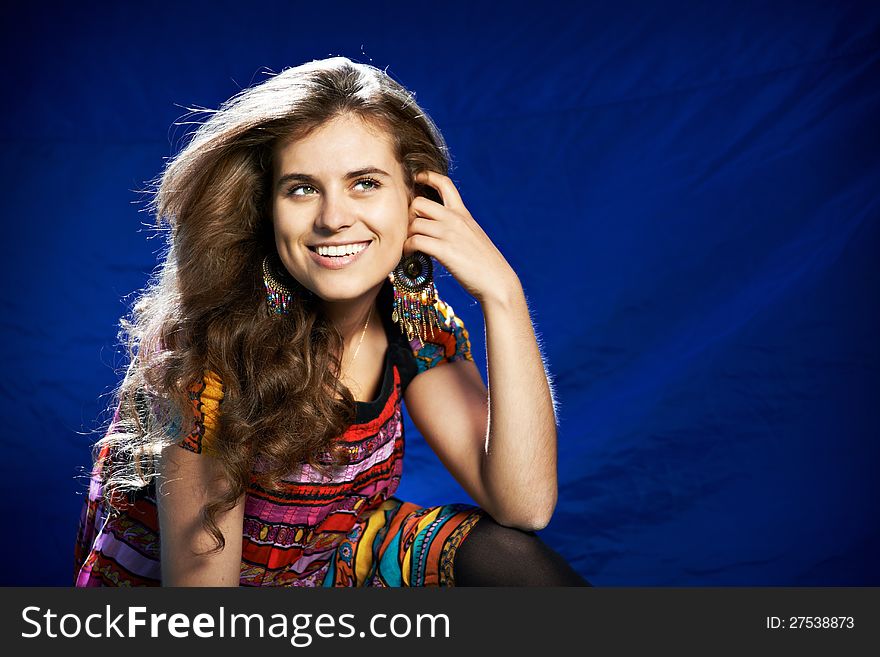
{"points": [[205, 307]]}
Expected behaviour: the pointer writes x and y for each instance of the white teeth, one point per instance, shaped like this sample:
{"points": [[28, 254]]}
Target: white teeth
{"points": [[346, 249]]}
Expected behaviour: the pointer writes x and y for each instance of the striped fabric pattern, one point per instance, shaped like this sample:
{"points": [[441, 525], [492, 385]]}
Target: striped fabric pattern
{"points": [[345, 529]]}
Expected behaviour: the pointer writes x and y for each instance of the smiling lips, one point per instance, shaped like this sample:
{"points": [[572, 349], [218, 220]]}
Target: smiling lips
{"points": [[337, 257]]}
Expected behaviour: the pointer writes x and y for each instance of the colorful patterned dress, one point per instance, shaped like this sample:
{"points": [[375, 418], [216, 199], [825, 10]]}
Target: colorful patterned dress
{"points": [[346, 529]]}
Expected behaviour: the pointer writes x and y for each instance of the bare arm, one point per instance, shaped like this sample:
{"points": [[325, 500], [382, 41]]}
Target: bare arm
{"points": [[519, 462], [499, 444], [502, 448], [187, 482]]}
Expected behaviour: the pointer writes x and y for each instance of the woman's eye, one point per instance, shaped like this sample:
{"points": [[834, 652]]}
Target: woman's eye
{"points": [[295, 191], [373, 184]]}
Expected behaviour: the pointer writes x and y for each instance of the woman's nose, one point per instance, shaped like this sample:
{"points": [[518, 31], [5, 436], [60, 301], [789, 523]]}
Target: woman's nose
{"points": [[335, 213]]}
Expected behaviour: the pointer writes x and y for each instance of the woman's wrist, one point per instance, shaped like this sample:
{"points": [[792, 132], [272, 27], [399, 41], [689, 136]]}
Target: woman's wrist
{"points": [[504, 294]]}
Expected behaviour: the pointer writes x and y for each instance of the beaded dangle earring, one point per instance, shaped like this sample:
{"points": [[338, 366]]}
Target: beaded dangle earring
{"points": [[415, 296], [278, 295]]}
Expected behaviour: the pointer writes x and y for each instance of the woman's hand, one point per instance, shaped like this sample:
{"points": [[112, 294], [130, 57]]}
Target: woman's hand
{"points": [[450, 234]]}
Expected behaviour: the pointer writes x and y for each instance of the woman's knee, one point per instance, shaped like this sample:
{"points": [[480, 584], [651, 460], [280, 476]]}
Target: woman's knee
{"points": [[496, 555], [503, 541]]}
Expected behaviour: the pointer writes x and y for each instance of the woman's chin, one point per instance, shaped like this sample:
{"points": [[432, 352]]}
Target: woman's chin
{"points": [[341, 293]]}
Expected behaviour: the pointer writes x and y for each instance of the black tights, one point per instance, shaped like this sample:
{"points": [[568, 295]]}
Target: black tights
{"points": [[495, 555]]}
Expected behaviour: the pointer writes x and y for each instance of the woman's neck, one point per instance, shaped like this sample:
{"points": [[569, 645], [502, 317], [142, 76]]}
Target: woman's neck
{"points": [[350, 316]]}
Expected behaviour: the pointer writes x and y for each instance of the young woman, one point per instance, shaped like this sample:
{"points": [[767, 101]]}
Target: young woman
{"points": [[259, 430]]}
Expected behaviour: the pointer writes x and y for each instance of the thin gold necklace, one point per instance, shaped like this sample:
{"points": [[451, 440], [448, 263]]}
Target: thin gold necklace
{"points": [[363, 333]]}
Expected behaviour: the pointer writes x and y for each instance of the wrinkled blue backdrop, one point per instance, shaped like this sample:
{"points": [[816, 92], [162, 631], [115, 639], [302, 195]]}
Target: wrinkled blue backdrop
{"points": [[688, 191]]}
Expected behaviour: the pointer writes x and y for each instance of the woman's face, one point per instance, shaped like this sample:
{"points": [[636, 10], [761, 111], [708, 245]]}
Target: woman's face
{"points": [[340, 185]]}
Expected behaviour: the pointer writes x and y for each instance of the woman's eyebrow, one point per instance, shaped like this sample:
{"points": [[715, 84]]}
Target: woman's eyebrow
{"points": [[304, 177]]}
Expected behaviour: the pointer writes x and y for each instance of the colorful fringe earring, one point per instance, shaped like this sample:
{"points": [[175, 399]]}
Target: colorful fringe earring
{"points": [[415, 296], [278, 296]]}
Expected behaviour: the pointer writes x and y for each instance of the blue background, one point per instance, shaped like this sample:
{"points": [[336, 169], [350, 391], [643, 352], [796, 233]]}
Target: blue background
{"points": [[687, 190]]}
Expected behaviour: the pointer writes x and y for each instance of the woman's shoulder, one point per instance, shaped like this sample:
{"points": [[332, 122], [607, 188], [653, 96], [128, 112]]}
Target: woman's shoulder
{"points": [[447, 343], [206, 396]]}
